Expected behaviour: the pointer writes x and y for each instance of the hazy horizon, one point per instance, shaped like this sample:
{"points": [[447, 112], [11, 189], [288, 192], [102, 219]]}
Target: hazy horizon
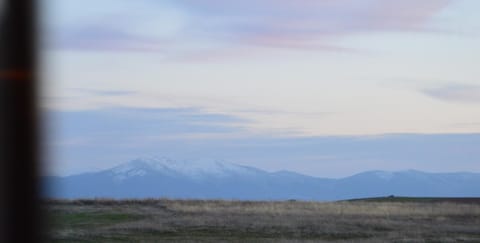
{"points": [[323, 88]]}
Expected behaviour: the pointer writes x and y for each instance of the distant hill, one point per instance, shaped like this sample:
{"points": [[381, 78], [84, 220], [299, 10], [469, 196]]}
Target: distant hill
{"points": [[212, 179], [392, 198]]}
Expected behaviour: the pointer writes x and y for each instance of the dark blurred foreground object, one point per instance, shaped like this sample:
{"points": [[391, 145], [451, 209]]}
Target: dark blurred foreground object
{"points": [[18, 123]]}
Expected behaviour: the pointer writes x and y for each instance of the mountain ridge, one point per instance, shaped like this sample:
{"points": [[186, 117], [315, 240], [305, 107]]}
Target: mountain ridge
{"points": [[210, 178]]}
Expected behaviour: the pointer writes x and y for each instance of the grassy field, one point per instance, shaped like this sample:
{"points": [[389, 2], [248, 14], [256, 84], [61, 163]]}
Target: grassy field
{"points": [[369, 220]]}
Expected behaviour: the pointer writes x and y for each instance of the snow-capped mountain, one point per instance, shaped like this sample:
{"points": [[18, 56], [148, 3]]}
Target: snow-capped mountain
{"points": [[208, 178], [195, 169]]}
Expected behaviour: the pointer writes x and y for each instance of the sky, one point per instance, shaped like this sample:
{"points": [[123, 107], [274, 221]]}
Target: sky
{"points": [[322, 87]]}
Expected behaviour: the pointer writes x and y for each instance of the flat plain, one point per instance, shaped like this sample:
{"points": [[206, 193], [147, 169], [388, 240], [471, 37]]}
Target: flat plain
{"points": [[389, 219]]}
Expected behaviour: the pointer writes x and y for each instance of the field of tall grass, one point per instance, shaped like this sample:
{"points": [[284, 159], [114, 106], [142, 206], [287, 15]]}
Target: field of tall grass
{"points": [[153, 220]]}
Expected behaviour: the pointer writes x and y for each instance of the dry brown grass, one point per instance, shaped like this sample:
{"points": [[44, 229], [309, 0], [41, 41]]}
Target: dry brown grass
{"points": [[240, 221]]}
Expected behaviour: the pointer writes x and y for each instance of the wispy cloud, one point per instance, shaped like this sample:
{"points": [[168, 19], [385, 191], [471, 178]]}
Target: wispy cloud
{"points": [[466, 124], [105, 92], [455, 93], [113, 125], [104, 38], [184, 26], [305, 23]]}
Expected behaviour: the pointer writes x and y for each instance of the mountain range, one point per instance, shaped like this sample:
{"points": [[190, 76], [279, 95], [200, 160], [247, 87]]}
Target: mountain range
{"points": [[214, 179]]}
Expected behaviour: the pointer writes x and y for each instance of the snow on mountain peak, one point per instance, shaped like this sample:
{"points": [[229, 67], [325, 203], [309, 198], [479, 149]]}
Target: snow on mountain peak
{"points": [[197, 168]]}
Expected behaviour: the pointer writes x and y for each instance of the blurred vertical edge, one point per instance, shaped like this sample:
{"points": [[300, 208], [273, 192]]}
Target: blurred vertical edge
{"points": [[19, 187]]}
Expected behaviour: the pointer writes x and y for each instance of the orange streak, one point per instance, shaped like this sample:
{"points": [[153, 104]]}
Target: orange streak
{"points": [[15, 74]]}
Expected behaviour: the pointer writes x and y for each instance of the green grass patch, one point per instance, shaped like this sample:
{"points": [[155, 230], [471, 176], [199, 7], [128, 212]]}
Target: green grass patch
{"points": [[85, 220]]}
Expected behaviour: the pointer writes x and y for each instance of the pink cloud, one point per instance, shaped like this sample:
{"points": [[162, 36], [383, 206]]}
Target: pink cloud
{"points": [[299, 24], [304, 23]]}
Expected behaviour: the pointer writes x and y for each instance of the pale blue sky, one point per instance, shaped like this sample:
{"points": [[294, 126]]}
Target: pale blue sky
{"points": [[258, 69]]}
